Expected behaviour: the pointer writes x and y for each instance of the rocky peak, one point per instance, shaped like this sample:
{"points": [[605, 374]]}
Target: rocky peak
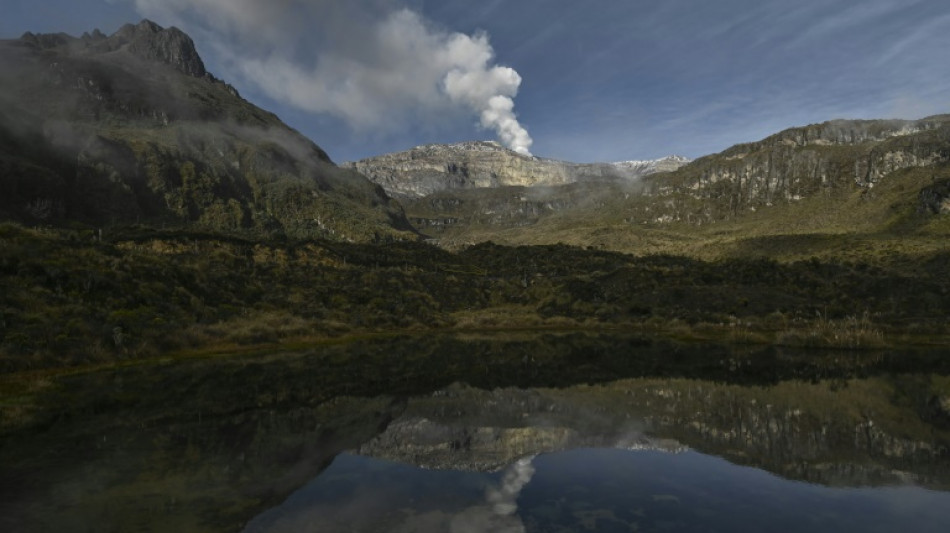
{"points": [[146, 40], [171, 46]]}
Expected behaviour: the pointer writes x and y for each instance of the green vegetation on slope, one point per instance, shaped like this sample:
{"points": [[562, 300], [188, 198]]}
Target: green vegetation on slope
{"points": [[67, 298], [94, 133], [845, 190], [238, 231]]}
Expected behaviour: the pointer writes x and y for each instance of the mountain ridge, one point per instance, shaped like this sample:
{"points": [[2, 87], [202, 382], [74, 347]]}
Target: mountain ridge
{"points": [[839, 177], [797, 163], [131, 129], [147, 40], [432, 168]]}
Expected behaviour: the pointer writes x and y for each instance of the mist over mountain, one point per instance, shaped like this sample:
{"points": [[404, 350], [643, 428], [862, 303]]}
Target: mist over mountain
{"points": [[131, 128]]}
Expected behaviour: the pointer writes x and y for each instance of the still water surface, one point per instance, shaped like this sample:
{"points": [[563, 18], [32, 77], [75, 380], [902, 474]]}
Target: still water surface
{"points": [[594, 490], [552, 432]]}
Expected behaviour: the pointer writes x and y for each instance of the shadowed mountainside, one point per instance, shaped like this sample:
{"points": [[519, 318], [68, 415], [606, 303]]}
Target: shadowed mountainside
{"points": [[131, 128]]}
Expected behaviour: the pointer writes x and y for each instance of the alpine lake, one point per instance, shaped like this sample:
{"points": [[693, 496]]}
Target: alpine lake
{"points": [[485, 432]]}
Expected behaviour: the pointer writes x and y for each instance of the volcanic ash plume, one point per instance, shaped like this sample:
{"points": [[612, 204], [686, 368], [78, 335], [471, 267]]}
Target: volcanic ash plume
{"points": [[489, 91]]}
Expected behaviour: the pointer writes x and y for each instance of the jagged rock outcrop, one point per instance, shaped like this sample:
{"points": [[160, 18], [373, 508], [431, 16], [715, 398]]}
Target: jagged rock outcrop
{"points": [[171, 46], [146, 40], [798, 163], [131, 128], [431, 168]]}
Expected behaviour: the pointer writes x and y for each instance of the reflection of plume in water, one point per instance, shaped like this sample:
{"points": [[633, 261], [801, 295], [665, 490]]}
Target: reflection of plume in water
{"points": [[504, 498], [502, 503]]}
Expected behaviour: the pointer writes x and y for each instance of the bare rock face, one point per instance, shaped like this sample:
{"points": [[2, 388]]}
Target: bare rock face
{"points": [[431, 168], [145, 40], [801, 162], [171, 46]]}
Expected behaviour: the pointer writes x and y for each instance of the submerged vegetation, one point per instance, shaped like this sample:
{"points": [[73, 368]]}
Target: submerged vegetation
{"points": [[73, 297]]}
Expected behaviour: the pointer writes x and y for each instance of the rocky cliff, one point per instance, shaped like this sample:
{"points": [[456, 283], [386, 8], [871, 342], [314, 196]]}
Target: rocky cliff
{"points": [[145, 40], [832, 157], [131, 128], [431, 168]]}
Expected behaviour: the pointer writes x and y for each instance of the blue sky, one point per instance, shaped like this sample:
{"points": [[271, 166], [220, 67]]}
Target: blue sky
{"points": [[595, 80]]}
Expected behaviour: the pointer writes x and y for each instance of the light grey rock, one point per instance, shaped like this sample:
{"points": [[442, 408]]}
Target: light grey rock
{"points": [[432, 168]]}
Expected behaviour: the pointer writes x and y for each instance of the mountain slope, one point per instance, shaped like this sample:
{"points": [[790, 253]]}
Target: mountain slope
{"points": [[799, 163], [838, 188], [433, 168], [131, 128]]}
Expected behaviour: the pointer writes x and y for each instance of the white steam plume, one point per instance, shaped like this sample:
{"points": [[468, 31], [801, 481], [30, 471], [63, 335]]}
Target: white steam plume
{"points": [[489, 91], [371, 63]]}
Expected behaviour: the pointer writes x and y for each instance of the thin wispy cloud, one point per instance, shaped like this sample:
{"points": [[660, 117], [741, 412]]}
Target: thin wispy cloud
{"points": [[914, 38], [699, 77], [858, 15]]}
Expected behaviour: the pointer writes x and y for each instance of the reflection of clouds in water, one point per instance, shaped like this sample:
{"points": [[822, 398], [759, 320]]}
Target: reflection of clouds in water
{"points": [[390, 505], [502, 503]]}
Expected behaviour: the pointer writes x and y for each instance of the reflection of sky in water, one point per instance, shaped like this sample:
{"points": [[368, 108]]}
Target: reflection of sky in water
{"points": [[363, 494], [593, 490]]}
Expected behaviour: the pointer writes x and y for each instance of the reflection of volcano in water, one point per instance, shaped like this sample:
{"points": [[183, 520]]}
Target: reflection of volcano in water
{"points": [[464, 428], [836, 433], [217, 441], [358, 493], [592, 489]]}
